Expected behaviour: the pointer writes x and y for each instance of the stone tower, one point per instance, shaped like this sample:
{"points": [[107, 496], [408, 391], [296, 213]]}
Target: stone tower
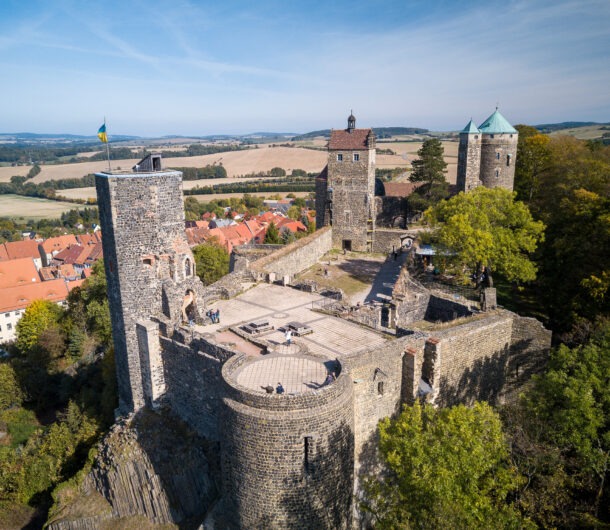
{"points": [[487, 154], [149, 268], [346, 188], [469, 158]]}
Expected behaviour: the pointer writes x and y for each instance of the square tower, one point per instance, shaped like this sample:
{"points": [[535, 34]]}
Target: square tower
{"points": [[149, 266], [345, 198]]}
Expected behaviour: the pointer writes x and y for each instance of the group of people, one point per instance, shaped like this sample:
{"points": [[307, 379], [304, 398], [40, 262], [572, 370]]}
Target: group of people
{"points": [[279, 389], [214, 316]]}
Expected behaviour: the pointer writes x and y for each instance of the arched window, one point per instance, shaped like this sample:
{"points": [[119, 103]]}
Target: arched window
{"points": [[187, 267]]}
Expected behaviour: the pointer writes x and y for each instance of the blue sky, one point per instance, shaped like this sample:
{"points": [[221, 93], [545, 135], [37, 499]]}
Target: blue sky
{"points": [[157, 67]]}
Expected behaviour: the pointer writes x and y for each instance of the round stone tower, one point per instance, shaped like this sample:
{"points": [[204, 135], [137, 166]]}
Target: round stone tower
{"points": [[498, 152], [469, 158], [288, 460]]}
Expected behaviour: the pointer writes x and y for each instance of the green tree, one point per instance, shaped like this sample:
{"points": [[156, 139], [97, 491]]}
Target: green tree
{"points": [[277, 172], [533, 158], [430, 167], [39, 316], [446, 468], [561, 437], [212, 262], [294, 212], [272, 237], [487, 228], [10, 390], [574, 205]]}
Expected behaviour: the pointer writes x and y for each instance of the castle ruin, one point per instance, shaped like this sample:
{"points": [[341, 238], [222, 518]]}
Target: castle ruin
{"points": [[291, 459]]}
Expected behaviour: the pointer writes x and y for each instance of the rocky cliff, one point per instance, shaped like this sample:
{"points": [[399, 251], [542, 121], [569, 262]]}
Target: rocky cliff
{"points": [[151, 471]]}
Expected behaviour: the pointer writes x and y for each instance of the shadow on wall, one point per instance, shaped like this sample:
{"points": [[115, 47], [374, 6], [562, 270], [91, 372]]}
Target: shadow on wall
{"points": [[488, 379], [321, 496]]}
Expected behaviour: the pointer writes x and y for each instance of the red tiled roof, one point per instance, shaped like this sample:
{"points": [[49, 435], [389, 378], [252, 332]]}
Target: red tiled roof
{"points": [[12, 298], [75, 283], [87, 273], [341, 139], [89, 239], [293, 226], [47, 273], [400, 189], [17, 272], [56, 244], [96, 252], [22, 249], [68, 255], [3, 253]]}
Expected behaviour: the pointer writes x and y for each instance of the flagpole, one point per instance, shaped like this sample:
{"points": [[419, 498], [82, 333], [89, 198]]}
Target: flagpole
{"points": [[107, 146]]}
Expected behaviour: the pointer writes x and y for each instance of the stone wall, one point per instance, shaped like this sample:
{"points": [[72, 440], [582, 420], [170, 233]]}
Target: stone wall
{"points": [[468, 361], [390, 212], [376, 377], [444, 310], [296, 257], [410, 300], [288, 460], [529, 351], [194, 383], [242, 256], [387, 239]]}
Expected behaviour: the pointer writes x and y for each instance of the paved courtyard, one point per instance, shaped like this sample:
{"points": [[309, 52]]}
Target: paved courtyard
{"points": [[332, 337]]}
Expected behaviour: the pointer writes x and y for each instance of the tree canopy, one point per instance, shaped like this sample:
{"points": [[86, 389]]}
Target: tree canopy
{"points": [[487, 228], [447, 468], [212, 262], [560, 437]]}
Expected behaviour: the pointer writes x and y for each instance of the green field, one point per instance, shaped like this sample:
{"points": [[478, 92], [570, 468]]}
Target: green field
{"points": [[18, 207]]}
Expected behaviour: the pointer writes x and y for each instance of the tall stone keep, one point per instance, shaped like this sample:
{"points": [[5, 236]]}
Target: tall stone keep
{"points": [[487, 154], [149, 268], [345, 189]]}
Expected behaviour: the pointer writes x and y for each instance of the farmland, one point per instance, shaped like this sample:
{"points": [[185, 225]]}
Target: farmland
{"points": [[18, 206]]}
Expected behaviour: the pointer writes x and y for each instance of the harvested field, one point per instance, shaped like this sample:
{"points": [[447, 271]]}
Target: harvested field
{"points": [[17, 206], [89, 193], [242, 162]]}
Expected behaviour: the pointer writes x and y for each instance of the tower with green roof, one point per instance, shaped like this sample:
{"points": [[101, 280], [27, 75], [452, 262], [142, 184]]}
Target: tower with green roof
{"points": [[487, 154]]}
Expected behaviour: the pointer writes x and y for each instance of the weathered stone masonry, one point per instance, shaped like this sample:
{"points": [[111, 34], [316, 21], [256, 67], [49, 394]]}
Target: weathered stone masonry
{"points": [[289, 461]]}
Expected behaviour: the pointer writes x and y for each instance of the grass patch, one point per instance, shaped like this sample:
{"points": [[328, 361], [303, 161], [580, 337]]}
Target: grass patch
{"points": [[21, 424]]}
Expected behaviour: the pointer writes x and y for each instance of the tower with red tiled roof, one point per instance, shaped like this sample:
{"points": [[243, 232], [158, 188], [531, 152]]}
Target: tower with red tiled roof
{"points": [[345, 189]]}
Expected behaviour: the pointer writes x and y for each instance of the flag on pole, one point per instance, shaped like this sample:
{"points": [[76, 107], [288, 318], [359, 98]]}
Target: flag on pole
{"points": [[101, 134]]}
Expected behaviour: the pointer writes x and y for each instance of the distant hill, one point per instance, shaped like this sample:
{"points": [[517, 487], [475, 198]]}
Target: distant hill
{"points": [[27, 137], [380, 132], [552, 127]]}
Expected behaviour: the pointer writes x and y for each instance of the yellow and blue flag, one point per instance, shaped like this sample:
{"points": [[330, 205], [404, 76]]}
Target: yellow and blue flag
{"points": [[101, 134]]}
